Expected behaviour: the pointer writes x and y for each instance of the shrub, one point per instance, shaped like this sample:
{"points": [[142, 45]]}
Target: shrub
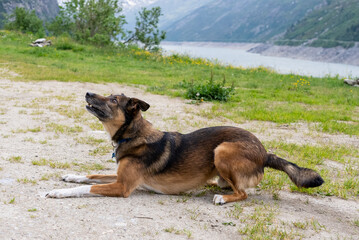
{"points": [[95, 21], [66, 43], [146, 30], [209, 91], [25, 21]]}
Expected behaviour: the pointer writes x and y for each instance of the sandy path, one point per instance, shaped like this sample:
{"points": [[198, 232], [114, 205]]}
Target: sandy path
{"points": [[28, 111]]}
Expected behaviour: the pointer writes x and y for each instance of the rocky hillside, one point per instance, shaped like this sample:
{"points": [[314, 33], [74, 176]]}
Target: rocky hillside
{"points": [[173, 10], [240, 20], [317, 23], [336, 23], [45, 9]]}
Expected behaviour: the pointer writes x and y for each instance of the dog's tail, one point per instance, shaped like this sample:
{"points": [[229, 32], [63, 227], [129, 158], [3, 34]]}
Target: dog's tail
{"points": [[302, 177]]}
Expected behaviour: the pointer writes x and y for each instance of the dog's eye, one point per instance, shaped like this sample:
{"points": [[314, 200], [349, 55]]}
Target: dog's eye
{"points": [[114, 101]]}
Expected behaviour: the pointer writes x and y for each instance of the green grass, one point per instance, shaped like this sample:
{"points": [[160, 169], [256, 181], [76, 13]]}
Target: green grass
{"points": [[26, 181], [15, 159], [259, 93], [90, 140], [80, 167], [87, 167], [59, 128], [236, 212], [101, 150], [33, 130], [51, 163], [75, 113], [261, 225], [186, 232], [48, 176], [12, 201]]}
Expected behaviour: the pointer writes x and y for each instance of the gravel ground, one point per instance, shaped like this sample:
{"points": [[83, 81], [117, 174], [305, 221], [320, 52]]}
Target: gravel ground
{"points": [[37, 122]]}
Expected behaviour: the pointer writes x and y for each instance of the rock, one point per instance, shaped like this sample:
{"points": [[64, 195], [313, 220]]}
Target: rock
{"points": [[41, 42], [354, 83]]}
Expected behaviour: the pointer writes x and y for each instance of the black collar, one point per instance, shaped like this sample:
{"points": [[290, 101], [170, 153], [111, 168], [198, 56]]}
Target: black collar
{"points": [[118, 145], [123, 141]]}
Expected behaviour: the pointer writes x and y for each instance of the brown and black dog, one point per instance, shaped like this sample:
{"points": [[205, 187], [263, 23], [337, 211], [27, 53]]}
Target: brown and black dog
{"points": [[172, 163]]}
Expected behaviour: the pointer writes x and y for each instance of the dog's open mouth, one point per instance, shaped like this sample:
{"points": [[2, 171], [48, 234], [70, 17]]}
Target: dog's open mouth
{"points": [[95, 111], [97, 106]]}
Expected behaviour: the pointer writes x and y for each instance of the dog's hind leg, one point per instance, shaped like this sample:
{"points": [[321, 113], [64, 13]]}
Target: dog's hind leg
{"points": [[89, 179], [238, 171], [220, 182]]}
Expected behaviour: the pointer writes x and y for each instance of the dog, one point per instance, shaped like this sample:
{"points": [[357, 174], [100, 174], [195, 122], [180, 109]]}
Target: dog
{"points": [[173, 163]]}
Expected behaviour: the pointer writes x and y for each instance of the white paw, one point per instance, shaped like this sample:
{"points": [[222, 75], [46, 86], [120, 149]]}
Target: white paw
{"points": [[83, 191], [218, 199], [58, 193], [74, 178]]}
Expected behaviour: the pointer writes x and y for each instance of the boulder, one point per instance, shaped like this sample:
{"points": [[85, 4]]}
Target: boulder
{"points": [[41, 42], [354, 83]]}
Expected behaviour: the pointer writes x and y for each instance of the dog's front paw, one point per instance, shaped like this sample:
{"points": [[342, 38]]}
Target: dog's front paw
{"points": [[83, 191], [74, 178], [218, 199], [57, 193]]}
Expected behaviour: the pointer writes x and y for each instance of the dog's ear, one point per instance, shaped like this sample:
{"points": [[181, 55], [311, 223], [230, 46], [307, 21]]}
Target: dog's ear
{"points": [[134, 104]]}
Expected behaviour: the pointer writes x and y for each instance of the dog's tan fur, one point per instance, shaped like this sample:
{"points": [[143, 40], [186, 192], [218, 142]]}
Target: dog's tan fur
{"points": [[171, 163]]}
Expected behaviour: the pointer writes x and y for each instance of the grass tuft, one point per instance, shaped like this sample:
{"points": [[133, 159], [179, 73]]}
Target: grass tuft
{"points": [[15, 159]]}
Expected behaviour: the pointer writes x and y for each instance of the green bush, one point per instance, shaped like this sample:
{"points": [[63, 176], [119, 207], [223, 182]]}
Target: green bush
{"points": [[98, 22], [25, 21], [208, 92], [146, 30], [65, 43]]}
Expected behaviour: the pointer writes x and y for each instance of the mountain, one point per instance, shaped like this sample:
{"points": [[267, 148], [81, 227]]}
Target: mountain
{"points": [[240, 20], [128, 5], [318, 23], [45, 9], [172, 10], [335, 23]]}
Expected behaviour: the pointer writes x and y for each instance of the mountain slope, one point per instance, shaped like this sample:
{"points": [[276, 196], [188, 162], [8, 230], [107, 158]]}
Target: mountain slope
{"points": [[336, 23], [45, 9], [240, 20], [172, 10]]}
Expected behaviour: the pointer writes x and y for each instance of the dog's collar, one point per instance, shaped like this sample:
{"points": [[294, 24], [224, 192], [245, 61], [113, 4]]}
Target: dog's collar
{"points": [[123, 140], [119, 142]]}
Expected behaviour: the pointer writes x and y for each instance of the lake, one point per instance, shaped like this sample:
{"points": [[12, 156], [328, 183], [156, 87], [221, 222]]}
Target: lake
{"points": [[236, 55]]}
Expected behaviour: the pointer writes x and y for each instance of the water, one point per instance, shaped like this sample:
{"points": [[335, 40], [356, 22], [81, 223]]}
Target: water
{"points": [[237, 56]]}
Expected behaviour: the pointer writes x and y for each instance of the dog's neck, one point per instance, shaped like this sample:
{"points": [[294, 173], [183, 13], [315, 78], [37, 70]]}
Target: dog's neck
{"points": [[137, 127]]}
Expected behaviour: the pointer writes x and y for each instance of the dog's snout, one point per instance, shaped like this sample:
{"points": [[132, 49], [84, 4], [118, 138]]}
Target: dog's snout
{"points": [[90, 94]]}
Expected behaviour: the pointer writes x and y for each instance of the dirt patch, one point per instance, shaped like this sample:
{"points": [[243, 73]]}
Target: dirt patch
{"points": [[45, 133]]}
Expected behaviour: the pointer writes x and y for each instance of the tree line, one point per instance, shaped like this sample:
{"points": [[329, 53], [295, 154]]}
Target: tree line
{"points": [[98, 22]]}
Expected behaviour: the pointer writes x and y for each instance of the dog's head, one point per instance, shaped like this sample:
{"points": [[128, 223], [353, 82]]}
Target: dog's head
{"points": [[115, 110]]}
